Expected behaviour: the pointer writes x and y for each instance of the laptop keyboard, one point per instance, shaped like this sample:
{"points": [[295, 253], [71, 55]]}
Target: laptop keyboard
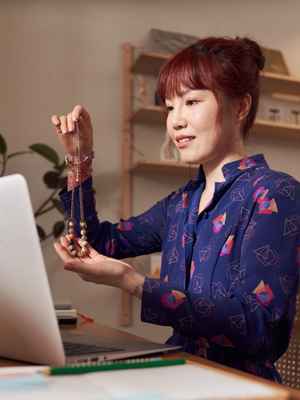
{"points": [[77, 349]]}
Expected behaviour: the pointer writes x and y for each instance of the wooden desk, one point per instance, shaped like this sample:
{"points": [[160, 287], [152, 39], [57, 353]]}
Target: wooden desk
{"points": [[104, 331]]}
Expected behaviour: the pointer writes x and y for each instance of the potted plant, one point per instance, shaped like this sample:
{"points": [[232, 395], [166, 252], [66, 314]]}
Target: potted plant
{"points": [[54, 179]]}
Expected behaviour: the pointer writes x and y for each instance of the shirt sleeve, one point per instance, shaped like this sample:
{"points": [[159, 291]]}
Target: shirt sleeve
{"points": [[260, 310], [135, 236]]}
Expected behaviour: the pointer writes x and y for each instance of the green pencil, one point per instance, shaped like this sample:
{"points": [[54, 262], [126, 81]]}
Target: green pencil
{"points": [[111, 366]]}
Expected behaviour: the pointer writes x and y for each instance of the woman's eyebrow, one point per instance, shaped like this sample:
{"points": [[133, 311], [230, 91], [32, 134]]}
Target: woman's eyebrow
{"points": [[188, 91], [194, 91]]}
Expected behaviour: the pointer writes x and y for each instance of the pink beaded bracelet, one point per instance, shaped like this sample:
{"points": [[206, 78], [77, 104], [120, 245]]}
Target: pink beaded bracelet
{"points": [[72, 161]]}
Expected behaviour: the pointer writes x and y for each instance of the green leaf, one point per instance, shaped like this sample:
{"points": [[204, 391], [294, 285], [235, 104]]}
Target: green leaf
{"points": [[46, 151], [3, 145], [18, 153], [41, 232], [57, 204], [58, 228], [52, 179], [61, 167]]}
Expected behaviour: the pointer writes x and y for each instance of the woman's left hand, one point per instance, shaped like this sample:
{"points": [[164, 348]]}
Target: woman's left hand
{"points": [[94, 267]]}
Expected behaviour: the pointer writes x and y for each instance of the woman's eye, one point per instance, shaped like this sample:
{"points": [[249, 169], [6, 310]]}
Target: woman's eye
{"points": [[169, 108], [192, 102]]}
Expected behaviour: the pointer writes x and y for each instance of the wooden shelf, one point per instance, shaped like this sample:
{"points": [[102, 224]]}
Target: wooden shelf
{"points": [[272, 82], [150, 63], [152, 114], [165, 167], [275, 128]]}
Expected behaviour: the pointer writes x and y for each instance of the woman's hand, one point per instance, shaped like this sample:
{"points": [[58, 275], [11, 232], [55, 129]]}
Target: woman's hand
{"points": [[65, 127], [101, 269]]}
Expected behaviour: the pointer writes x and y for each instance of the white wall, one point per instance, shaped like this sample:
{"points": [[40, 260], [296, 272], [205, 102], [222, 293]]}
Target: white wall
{"points": [[57, 53]]}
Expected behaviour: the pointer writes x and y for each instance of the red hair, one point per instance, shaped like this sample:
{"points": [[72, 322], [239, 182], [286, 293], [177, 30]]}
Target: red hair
{"points": [[226, 66]]}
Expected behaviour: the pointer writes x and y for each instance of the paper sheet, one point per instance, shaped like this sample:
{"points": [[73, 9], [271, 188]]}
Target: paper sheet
{"points": [[184, 382], [27, 384]]}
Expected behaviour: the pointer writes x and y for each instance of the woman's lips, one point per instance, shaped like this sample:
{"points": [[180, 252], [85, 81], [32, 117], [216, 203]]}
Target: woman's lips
{"points": [[183, 141]]}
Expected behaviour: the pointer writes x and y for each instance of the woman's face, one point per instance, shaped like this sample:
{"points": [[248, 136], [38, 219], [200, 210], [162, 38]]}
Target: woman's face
{"points": [[192, 125]]}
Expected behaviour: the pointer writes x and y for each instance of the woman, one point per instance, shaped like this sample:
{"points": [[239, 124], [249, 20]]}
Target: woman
{"points": [[230, 239]]}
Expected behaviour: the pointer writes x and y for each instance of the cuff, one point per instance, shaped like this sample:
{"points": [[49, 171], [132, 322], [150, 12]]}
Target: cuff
{"points": [[155, 297]]}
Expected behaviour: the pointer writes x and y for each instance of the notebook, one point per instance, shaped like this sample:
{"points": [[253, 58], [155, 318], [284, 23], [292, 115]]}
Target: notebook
{"points": [[181, 382], [29, 328]]}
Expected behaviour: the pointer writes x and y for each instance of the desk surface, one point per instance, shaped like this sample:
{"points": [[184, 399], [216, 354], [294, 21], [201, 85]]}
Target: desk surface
{"points": [[104, 331]]}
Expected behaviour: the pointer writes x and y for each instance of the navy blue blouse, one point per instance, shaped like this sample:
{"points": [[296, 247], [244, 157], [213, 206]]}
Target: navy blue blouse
{"points": [[229, 275]]}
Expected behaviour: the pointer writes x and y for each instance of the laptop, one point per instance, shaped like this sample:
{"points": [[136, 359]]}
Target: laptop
{"points": [[29, 328]]}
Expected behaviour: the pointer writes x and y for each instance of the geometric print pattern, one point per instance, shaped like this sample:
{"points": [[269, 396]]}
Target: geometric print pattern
{"points": [[291, 226], [266, 255], [228, 275]]}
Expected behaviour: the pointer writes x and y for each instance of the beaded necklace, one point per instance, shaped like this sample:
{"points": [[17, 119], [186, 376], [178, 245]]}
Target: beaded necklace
{"points": [[78, 247]]}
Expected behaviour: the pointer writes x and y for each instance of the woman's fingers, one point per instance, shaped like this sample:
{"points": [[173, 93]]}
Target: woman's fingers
{"points": [[76, 261], [93, 268], [65, 127], [65, 241], [80, 112], [70, 123], [63, 253], [63, 124], [70, 263], [89, 266], [56, 122]]}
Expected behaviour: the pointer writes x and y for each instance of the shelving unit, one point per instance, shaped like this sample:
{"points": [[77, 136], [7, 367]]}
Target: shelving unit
{"points": [[154, 114], [149, 63], [138, 61]]}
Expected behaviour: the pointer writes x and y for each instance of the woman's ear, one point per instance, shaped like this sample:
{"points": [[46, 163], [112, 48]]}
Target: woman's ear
{"points": [[244, 106]]}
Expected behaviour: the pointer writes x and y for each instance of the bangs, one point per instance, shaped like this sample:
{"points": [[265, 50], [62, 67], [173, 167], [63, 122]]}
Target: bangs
{"points": [[184, 70]]}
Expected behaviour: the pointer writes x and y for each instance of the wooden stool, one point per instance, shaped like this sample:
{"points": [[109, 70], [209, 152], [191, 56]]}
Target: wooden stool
{"points": [[289, 364]]}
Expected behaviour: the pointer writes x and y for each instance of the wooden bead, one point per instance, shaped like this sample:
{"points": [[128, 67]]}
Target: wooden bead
{"points": [[71, 224], [83, 243], [83, 224], [83, 252], [83, 232], [70, 237]]}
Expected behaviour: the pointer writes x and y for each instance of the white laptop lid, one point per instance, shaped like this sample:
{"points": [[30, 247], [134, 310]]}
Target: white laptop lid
{"points": [[28, 325]]}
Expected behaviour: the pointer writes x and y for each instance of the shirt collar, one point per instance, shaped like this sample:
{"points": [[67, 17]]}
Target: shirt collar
{"points": [[235, 168]]}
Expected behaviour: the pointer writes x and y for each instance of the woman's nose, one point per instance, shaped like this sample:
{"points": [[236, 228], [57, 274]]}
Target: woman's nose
{"points": [[179, 122], [179, 125]]}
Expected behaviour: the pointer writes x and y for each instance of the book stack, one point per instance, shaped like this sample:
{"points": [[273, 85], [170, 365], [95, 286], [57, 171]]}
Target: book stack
{"points": [[66, 314]]}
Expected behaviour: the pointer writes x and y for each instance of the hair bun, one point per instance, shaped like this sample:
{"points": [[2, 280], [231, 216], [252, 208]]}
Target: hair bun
{"points": [[255, 52]]}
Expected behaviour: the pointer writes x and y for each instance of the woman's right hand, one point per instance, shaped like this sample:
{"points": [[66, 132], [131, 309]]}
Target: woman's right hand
{"points": [[65, 129]]}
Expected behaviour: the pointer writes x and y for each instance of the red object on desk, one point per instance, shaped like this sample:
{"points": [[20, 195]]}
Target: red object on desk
{"points": [[85, 318]]}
